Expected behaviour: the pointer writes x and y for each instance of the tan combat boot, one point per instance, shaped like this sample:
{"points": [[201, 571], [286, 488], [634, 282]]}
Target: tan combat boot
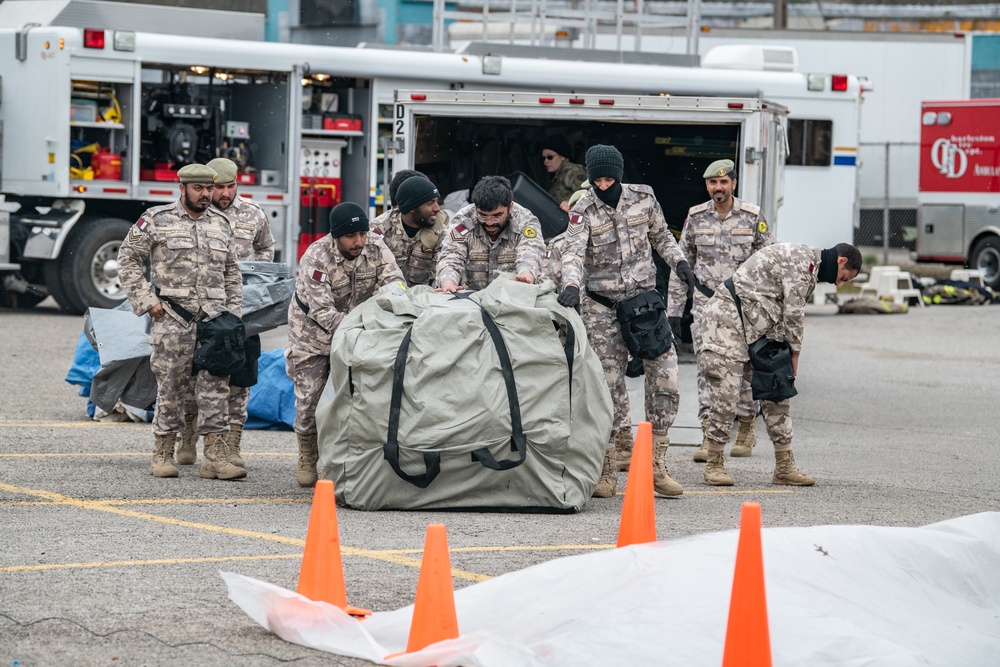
{"points": [[746, 438], [308, 456], [163, 456], [608, 484], [715, 471], [233, 438], [623, 450], [187, 444], [701, 455], [215, 464], [663, 483], [786, 473]]}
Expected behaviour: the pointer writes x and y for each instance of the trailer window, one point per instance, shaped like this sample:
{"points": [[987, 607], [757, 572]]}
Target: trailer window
{"points": [[810, 142]]}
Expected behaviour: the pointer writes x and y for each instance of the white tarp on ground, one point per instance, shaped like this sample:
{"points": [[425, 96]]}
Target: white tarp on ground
{"points": [[836, 595]]}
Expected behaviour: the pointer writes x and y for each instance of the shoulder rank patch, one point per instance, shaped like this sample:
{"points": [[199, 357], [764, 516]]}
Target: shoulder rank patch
{"points": [[530, 233], [319, 276], [762, 227], [459, 232]]}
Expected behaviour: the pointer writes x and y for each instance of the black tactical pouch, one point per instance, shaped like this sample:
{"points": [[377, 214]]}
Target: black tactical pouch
{"points": [[221, 345], [773, 379], [247, 376], [643, 321]]}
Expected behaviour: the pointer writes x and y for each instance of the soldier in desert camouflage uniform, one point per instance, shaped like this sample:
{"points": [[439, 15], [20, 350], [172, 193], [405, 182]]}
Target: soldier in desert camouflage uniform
{"points": [[718, 236], [193, 266], [566, 176], [489, 236], [336, 274], [254, 241], [414, 229], [773, 286], [612, 232]]}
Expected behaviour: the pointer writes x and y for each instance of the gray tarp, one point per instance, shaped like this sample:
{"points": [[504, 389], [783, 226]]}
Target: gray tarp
{"points": [[120, 338], [455, 403]]}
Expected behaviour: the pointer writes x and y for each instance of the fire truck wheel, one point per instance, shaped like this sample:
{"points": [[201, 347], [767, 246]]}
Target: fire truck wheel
{"points": [[91, 260], [986, 257]]}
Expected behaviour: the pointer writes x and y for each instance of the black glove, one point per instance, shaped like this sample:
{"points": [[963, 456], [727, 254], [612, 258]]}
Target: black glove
{"points": [[685, 273], [675, 328], [569, 297]]}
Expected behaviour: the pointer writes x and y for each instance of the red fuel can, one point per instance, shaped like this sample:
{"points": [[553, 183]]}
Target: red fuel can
{"points": [[107, 166]]}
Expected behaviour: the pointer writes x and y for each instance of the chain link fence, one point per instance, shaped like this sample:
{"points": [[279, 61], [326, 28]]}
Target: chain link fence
{"points": [[888, 177]]}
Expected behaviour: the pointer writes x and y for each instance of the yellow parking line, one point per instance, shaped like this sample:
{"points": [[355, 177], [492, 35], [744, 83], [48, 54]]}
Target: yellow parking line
{"points": [[737, 492], [162, 561], [61, 499], [89, 424]]}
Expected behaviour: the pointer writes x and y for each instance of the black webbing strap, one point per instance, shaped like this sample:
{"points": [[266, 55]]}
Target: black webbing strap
{"points": [[390, 451], [603, 300], [739, 306], [704, 289], [302, 304], [185, 314], [432, 460]]}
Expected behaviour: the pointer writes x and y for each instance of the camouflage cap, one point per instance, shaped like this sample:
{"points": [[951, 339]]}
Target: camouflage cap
{"points": [[197, 173], [720, 168], [225, 168]]}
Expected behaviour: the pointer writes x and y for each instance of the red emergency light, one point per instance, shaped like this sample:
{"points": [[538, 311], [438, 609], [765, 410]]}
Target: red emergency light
{"points": [[93, 39], [838, 83], [735, 105]]}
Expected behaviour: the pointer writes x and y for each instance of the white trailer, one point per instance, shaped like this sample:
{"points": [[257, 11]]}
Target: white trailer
{"points": [[308, 125]]}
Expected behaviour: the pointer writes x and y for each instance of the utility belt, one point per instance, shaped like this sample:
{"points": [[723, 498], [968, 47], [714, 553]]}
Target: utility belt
{"points": [[773, 378], [643, 323]]}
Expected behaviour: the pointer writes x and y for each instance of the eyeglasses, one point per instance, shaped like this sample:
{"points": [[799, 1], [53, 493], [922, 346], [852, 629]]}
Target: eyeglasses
{"points": [[491, 217], [552, 156]]}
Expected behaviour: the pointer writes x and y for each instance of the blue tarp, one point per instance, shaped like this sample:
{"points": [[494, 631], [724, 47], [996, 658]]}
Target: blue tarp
{"points": [[272, 399]]}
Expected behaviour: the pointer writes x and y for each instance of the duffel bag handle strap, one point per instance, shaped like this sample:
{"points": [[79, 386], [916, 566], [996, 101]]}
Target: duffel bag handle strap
{"points": [[432, 460], [518, 443]]}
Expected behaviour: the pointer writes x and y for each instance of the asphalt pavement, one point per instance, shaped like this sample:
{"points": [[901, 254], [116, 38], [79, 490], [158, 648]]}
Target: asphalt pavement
{"points": [[102, 564]]}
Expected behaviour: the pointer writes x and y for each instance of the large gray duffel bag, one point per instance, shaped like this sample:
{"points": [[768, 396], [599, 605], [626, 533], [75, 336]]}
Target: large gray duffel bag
{"points": [[468, 401]]}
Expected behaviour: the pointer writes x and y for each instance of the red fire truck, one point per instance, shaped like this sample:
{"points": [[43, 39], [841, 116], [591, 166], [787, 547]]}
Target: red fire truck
{"points": [[959, 214]]}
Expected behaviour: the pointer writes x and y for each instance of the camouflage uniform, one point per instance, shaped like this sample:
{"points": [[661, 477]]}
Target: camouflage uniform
{"points": [[567, 180], [553, 261], [254, 242], [715, 248], [329, 286], [251, 230], [417, 255], [615, 246], [471, 259], [194, 263], [774, 286]]}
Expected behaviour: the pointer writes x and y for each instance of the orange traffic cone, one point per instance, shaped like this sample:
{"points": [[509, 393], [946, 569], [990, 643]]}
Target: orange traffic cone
{"points": [[748, 643], [638, 522], [321, 577], [434, 617]]}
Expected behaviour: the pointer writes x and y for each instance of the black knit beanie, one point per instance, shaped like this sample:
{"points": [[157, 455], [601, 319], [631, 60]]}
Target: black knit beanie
{"points": [[604, 162], [557, 144], [347, 218], [413, 192]]}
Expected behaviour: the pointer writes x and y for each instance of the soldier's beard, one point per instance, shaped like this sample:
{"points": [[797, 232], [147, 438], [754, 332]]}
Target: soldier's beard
{"points": [[199, 205]]}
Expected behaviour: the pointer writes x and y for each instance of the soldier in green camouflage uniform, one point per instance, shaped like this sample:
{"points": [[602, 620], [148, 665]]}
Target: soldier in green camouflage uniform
{"points": [[254, 241], [567, 176], [773, 286], [612, 232], [194, 270], [490, 236], [414, 229], [336, 274], [718, 236]]}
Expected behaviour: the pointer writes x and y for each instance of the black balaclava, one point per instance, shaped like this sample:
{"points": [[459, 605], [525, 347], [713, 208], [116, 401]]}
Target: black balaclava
{"points": [[611, 196], [828, 268]]}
